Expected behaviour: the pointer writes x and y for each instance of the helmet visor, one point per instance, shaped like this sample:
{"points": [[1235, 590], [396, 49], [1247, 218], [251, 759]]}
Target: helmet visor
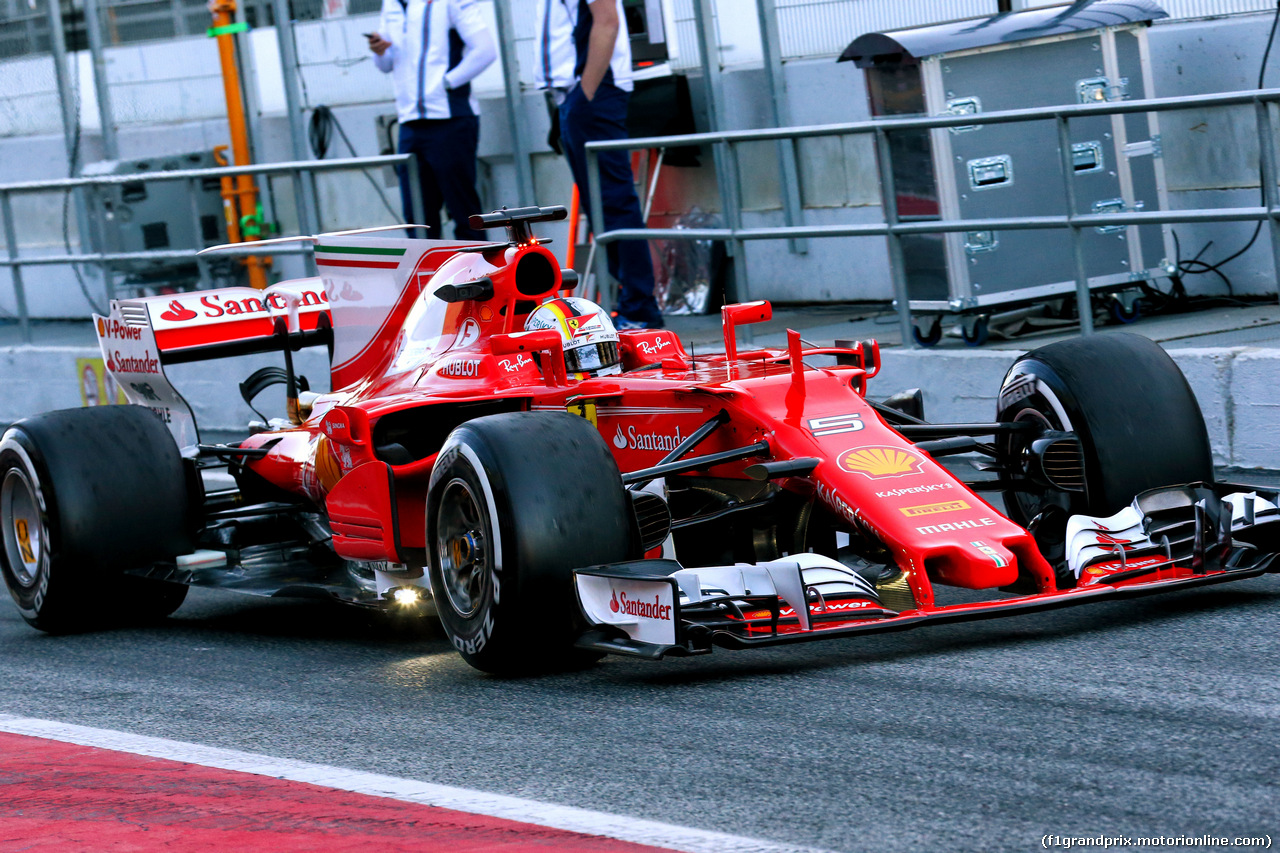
{"points": [[591, 357]]}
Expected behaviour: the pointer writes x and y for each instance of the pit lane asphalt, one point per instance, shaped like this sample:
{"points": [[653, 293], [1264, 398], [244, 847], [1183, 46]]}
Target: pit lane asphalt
{"points": [[1152, 716]]}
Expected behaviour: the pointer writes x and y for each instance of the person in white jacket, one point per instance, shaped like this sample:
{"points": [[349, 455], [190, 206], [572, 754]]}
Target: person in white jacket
{"points": [[433, 49]]}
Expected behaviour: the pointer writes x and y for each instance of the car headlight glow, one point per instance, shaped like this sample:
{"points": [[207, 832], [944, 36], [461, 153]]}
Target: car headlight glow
{"points": [[406, 596]]}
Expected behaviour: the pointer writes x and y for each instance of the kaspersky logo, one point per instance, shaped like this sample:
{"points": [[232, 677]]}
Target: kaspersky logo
{"points": [[877, 462]]}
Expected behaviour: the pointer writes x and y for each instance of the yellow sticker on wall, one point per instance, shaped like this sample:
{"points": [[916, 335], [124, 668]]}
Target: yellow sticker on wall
{"points": [[97, 386]]}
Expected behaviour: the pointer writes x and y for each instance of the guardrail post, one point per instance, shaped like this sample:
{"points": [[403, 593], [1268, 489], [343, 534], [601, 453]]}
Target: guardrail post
{"points": [[305, 197], [93, 24], [11, 245], [897, 263], [596, 204], [415, 192], [202, 264], [515, 102], [731, 201], [1267, 161], [793, 212], [1084, 302], [66, 99]]}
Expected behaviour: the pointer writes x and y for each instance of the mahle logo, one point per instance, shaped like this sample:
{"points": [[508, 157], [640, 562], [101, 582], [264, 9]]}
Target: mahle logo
{"points": [[877, 462]]}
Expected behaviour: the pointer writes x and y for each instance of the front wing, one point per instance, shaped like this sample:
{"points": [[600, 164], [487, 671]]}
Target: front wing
{"points": [[1186, 536]]}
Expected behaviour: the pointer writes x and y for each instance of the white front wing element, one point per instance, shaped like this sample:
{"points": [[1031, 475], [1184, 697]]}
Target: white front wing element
{"points": [[645, 607], [1122, 536]]}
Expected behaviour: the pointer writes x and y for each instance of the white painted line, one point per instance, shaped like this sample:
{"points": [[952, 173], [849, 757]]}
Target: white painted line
{"points": [[550, 815]]}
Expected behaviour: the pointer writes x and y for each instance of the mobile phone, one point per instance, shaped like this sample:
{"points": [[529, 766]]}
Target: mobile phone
{"points": [[368, 35]]}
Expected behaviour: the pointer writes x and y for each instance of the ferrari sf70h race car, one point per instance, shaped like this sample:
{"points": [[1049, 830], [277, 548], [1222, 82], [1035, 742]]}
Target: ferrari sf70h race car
{"points": [[554, 490]]}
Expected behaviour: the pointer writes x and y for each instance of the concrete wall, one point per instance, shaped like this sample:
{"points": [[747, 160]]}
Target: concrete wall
{"points": [[1235, 387], [41, 379]]}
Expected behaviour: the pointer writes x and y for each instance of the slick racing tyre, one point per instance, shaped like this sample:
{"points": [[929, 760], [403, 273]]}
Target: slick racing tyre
{"points": [[85, 494], [1137, 420], [516, 503]]}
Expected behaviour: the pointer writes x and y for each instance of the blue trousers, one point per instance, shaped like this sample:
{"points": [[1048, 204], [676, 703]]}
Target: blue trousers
{"points": [[446, 153], [605, 117]]}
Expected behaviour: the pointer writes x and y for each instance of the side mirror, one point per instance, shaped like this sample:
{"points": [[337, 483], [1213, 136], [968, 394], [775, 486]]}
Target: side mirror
{"points": [[539, 340], [742, 314]]}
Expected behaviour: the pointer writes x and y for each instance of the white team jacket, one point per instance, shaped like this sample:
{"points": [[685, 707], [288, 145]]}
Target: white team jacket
{"points": [[420, 76]]}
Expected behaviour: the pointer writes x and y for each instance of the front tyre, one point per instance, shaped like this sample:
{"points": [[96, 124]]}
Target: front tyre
{"points": [[1136, 418], [516, 503]]}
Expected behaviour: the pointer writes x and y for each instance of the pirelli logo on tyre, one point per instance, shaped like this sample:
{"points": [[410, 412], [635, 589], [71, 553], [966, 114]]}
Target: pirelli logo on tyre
{"points": [[933, 509]]}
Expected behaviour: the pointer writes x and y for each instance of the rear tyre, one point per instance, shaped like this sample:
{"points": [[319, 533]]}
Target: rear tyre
{"points": [[516, 503], [85, 494], [1136, 417]]}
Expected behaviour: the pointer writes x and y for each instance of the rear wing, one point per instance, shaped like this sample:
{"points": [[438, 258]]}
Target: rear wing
{"points": [[140, 336], [355, 307]]}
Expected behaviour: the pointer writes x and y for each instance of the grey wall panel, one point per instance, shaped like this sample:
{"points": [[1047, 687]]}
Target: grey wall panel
{"points": [[835, 269]]}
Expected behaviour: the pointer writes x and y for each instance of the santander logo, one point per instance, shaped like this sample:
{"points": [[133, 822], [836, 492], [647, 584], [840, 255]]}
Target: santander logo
{"points": [[643, 609], [232, 302], [637, 440], [178, 312]]}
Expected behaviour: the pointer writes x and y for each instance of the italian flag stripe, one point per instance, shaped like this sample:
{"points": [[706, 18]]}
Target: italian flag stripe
{"points": [[358, 250]]}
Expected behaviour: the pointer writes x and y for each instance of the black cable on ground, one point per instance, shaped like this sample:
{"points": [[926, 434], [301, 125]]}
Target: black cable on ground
{"points": [[1195, 266], [320, 133]]}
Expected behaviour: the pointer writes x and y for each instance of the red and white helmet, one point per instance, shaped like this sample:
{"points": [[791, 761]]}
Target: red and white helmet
{"points": [[590, 340]]}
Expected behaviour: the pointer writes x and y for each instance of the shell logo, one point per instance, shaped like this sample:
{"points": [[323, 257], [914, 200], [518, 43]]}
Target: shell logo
{"points": [[877, 462]]}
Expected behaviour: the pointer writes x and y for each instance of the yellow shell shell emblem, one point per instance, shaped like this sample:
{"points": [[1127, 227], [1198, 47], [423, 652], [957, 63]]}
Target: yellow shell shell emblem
{"points": [[877, 462]]}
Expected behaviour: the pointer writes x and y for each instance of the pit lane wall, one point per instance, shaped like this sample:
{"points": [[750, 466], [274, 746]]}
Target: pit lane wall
{"points": [[1236, 388], [37, 379]]}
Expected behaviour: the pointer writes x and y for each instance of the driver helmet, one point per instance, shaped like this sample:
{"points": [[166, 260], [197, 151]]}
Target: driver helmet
{"points": [[589, 338]]}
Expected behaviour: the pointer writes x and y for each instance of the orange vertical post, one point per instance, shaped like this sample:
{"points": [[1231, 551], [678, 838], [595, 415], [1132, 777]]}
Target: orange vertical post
{"points": [[246, 191], [574, 214]]}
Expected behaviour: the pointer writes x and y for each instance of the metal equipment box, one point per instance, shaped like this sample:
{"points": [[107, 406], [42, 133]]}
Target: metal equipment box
{"points": [[141, 215], [1085, 52]]}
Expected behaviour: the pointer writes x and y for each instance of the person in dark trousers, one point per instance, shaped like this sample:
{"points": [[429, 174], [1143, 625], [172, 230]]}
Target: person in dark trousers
{"points": [[593, 106], [433, 49]]}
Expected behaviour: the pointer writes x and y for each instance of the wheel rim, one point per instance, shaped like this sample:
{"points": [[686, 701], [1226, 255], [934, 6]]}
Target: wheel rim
{"points": [[21, 527], [1031, 504], [462, 545]]}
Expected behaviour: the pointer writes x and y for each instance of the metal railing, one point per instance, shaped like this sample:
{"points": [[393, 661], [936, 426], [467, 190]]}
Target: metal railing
{"points": [[1264, 103], [299, 172]]}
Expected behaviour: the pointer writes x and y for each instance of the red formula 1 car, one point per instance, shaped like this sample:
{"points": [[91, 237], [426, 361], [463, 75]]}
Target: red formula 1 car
{"points": [[559, 490]]}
